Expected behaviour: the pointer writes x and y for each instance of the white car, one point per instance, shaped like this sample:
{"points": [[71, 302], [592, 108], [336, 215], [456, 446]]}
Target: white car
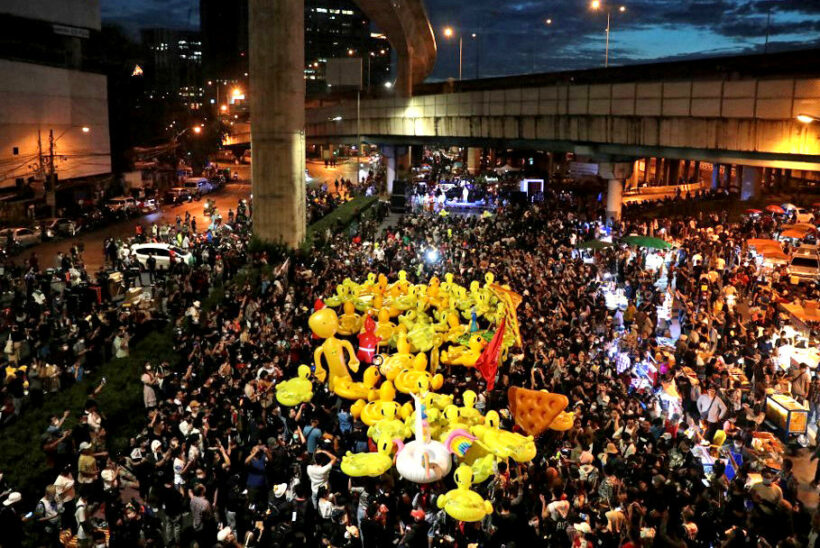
{"points": [[148, 205], [122, 203], [25, 237], [59, 227], [804, 264], [162, 253], [801, 214]]}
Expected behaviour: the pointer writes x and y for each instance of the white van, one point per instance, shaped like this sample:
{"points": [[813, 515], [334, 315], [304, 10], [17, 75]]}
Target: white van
{"points": [[198, 185]]}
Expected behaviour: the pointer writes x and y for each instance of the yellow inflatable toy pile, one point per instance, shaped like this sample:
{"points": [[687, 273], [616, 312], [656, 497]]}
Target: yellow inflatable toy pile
{"points": [[421, 327]]}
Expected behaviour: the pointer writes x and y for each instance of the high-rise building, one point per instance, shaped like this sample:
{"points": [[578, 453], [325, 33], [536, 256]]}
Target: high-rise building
{"points": [[174, 68], [53, 108], [333, 28]]}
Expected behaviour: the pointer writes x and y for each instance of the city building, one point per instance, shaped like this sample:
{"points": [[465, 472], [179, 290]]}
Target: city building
{"points": [[333, 29], [53, 108], [174, 68]]}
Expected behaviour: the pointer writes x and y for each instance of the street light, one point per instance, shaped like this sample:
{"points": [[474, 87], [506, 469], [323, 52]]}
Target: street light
{"points": [[197, 130], [449, 33], [597, 5], [806, 118], [86, 129]]}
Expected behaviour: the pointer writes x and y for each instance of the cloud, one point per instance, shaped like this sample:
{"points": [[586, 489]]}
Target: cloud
{"points": [[133, 15]]}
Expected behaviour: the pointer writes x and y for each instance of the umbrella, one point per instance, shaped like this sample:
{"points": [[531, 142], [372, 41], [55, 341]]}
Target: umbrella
{"points": [[593, 244], [647, 241], [753, 211], [775, 209]]}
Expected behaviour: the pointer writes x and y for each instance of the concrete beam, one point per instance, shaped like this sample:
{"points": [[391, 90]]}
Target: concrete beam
{"points": [[407, 27]]}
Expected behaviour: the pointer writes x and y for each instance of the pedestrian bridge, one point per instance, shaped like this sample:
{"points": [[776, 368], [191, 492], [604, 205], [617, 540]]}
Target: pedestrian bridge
{"points": [[750, 116]]}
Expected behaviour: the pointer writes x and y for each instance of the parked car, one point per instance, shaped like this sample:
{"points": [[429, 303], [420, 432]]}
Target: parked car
{"points": [[801, 215], [805, 264], [24, 237], [58, 226], [148, 205], [162, 253], [122, 204], [177, 195]]}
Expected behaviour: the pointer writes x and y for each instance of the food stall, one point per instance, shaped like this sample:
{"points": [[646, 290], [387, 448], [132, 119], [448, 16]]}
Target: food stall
{"points": [[786, 415]]}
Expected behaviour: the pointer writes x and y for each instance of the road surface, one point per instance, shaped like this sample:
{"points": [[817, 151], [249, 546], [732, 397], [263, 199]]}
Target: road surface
{"points": [[226, 198]]}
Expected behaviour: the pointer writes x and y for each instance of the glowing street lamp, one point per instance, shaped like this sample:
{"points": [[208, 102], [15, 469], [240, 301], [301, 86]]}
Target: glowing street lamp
{"points": [[806, 118], [197, 130], [86, 129], [449, 33], [596, 5]]}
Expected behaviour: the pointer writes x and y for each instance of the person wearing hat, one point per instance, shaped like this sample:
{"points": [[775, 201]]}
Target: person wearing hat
{"points": [[11, 523], [87, 471]]}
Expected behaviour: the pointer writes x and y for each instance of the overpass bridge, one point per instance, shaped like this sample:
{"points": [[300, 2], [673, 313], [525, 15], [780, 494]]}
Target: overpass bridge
{"points": [[739, 111]]}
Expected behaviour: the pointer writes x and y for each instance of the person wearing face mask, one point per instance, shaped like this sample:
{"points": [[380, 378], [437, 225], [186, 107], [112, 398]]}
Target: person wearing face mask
{"points": [[767, 495]]}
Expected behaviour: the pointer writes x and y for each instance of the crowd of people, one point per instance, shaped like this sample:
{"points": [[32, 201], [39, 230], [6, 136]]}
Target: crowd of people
{"points": [[219, 461]]}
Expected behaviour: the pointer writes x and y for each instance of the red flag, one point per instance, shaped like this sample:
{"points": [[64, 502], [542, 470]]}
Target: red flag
{"points": [[487, 363]]}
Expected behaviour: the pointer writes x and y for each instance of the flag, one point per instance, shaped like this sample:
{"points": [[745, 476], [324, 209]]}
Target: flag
{"points": [[487, 363], [511, 301]]}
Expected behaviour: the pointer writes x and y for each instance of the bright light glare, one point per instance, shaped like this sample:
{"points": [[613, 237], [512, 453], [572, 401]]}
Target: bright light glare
{"points": [[86, 129], [388, 85], [596, 4], [432, 255], [197, 130], [622, 9], [805, 118], [549, 21], [448, 32]]}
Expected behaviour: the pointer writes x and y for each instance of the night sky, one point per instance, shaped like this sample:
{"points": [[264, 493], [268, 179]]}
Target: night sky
{"points": [[514, 37]]}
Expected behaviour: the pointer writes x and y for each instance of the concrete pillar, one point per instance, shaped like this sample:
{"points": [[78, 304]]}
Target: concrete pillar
{"points": [[277, 97], [614, 199], [715, 176], [685, 173], [660, 171], [674, 171], [473, 160], [390, 158], [646, 165], [727, 176], [750, 181], [696, 173]]}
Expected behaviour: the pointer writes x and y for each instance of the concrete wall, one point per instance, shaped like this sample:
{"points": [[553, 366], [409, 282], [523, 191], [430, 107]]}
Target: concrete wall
{"points": [[36, 97], [77, 13], [746, 115]]}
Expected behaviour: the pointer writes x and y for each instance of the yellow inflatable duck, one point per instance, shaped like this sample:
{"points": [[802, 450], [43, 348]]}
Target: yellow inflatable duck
{"points": [[452, 421], [297, 390], [407, 381], [461, 355], [402, 359], [350, 323], [385, 329], [468, 412], [343, 295], [407, 301], [389, 425], [501, 443], [374, 411], [462, 503], [369, 464], [455, 329], [401, 284]]}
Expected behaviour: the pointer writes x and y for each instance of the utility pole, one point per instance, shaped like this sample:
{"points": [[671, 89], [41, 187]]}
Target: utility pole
{"points": [[51, 194]]}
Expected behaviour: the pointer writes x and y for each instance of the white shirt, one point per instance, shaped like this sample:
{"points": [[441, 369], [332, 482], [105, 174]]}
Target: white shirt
{"points": [[318, 476]]}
